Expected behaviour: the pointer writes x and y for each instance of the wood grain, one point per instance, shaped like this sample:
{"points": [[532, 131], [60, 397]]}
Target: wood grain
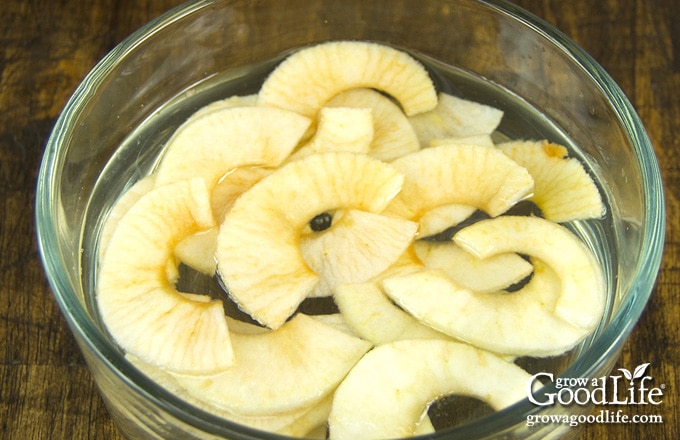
{"points": [[46, 48]]}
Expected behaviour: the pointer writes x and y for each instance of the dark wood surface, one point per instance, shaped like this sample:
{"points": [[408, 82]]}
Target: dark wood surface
{"points": [[46, 48]]}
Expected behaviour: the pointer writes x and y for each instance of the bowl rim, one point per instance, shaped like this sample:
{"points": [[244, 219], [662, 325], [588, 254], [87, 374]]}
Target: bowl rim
{"points": [[608, 343]]}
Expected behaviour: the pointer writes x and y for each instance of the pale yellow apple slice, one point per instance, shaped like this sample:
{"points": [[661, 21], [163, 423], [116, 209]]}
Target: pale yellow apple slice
{"points": [[219, 141], [122, 205], [337, 321], [374, 317], [198, 251], [297, 423], [358, 246], [393, 134], [280, 371], [582, 290], [385, 394], [442, 217], [483, 140], [563, 190], [490, 274], [455, 117], [229, 102], [521, 323], [258, 246], [462, 174], [136, 297], [310, 77], [232, 185], [340, 129]]}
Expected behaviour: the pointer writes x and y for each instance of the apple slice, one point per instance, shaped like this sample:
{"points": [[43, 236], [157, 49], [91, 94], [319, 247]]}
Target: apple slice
{"points": [[455, 117], [258, 246], [122, 205], [327, 69], [582, 292], [393, 134], [462, 174], [563, 190], [337, 321], [280, 371], [229, 102], [521, 323], [385, 394], [297, 423], [374, 317], [136, 297], [198, 251], [232, 185], [340, 129], [441, 218], [490, 274], [219, 141], [358, 246], [483, 140]]}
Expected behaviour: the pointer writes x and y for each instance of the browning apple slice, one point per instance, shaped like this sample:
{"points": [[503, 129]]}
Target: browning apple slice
{"points": [[136, 297], [258, 245], [563, 190], [328, 69], [462, 174]]}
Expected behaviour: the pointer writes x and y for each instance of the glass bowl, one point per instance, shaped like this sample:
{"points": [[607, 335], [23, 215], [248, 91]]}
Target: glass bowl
{"points": [[107, 138]]}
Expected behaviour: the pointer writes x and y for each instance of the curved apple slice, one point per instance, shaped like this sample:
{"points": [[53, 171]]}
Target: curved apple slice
{"points": [[219, 141], [461, 174], [339, 129], [443, 217], [198, 251], [330, 68], [386, 392], [483, 140], [229, 102], [455, 117], [297, 423], [374, 317], [258, 253], [136, 297], [122, 205], [563, 190], [280, 371], [232, 185], [337, 321], [490, 274], [494, 321], [582, 291], [358, 246], [393, 134]]}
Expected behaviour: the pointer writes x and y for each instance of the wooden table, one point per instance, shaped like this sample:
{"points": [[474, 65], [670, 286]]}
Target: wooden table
{"points": [[46, 48]]}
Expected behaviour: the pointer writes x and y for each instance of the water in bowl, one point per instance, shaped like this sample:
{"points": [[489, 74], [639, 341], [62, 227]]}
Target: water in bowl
{"points": [[139, 154]]}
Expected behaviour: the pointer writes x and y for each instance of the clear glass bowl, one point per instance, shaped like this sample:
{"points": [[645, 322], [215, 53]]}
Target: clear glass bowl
{"points": [[174, 55]]}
